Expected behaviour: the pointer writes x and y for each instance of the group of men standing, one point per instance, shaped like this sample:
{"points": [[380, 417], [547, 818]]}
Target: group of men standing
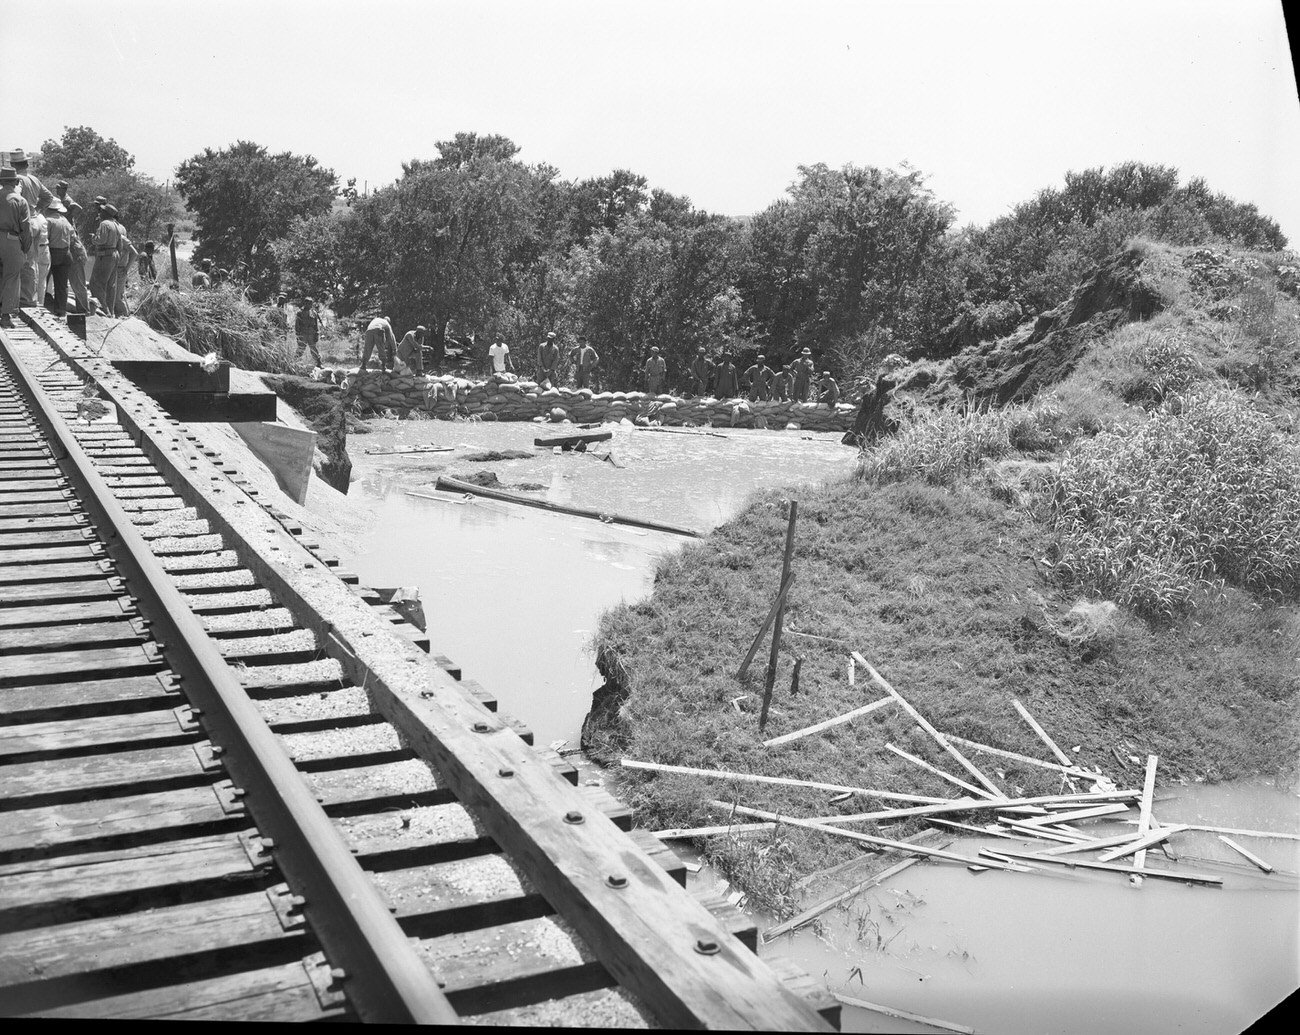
{"points": [[794, 382], [40, 243]]}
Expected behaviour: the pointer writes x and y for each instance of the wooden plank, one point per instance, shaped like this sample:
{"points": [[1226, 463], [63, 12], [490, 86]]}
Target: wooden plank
{"points": [[1144, 811], [29, 784], [1071, 817], [808, 988], [60, 553], [175, 375], [43, 537], [41, 892], [1075, 771], [1084, 864], [781, 781], [57, 667], [51, 482], [287, 452], [1147, 840], [75, 571], [977, 805], [60, 614], [36, 523], [970, 787], [36, 831], [86, 635], [769, 679], [245, 922], [904, 1015], [920, 720], [687, 833], [281, 994], [829, 723], [69, 736], [1250, 856], [96, 586], [217, 407]]}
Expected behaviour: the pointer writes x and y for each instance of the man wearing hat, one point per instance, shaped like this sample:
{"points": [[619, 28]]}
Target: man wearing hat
{"points": [[802, 368], [830, 391], [548, 360], [15, 239], [781, 384], [655, 371], [37, 197], [701, 370], [61, 234], [410, 354], [306, 328], [103, 277]]}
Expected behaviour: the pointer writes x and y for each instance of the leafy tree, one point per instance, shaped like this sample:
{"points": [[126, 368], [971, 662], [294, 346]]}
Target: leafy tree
{"points": [[464, 148], [331, 257], [79, 154], [143, 205], [243, 198]]}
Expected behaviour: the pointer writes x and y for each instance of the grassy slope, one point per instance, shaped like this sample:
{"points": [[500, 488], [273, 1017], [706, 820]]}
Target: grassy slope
{"points": [[944, 590]]}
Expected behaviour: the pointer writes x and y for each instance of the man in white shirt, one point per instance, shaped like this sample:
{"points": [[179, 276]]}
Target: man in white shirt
{"points": [[500, 356]]}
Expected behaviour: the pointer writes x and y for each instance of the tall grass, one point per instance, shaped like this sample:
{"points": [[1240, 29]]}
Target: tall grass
{"points": [[943, 446], [1206, 492], [221, 319]]}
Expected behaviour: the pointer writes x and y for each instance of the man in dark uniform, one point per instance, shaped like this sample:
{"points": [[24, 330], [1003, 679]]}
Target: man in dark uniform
{"points": [[759, 379], [548, 359], [15, 240], [802, 368], [103, 278], [585, 363], [830, 391], [306, 327], [782, 383], [728, 383]]}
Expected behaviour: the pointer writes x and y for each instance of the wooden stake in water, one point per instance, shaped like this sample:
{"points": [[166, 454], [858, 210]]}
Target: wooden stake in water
{"points": [[780, 618]]}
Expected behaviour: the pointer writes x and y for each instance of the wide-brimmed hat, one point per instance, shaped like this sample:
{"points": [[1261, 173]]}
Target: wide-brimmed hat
{"points": [[421, 330], [55, 205], [61, 183], [761, 357], [8, 174], [826, 373], [110, 210], [550, 334], [18, 157], [806, 352], [100, 199], [308, 300]]}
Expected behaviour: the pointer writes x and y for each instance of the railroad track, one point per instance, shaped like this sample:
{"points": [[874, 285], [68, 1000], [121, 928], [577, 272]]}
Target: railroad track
{"points": [[232, 786]]}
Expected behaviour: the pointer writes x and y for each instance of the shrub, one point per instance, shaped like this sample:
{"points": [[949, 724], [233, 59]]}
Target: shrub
{"points": [[1206, 492]]}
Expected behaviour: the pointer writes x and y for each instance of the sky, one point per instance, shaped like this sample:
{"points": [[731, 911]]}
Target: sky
{"points": [[719, 100]]}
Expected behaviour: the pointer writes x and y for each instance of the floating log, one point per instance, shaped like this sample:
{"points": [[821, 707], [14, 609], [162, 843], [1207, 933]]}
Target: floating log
{"points": [[456, 485], [919, 719], [1188, 878], [814, 911], [866, 709], [903, 1015], [571, 440], [782, 781], [1245, 854], [853, 835], [936, 770]]}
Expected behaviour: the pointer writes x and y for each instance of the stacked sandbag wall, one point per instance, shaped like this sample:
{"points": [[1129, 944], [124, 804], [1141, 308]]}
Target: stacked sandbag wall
{"points": [[524, 400]]}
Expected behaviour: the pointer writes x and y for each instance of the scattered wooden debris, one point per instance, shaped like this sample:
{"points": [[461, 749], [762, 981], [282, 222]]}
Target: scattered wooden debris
{"points": [[782, 781], [777, 604], [1185, 877], [686, 833], [978, 791], [919, 719], [1144, 814], [866, 709], [1146, 841], [1074, 771], [1251, 856]]}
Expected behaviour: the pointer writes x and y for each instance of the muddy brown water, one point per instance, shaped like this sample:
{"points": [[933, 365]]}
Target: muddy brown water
{"points": [[513, 596]]}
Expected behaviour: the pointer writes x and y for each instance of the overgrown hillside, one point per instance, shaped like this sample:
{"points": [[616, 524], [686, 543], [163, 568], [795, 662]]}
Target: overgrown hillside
{"points": [[1097, 514]]}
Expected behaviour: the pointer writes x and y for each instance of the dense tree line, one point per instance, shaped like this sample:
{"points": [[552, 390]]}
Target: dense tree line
{"points": [[855, 263]]}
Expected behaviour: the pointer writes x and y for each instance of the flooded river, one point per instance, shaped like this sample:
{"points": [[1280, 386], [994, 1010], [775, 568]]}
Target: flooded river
{"points": [[513, 595]]}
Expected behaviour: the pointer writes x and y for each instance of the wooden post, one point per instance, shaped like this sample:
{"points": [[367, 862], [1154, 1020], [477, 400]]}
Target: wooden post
{"points": [[767, 622], [794, 676], [1144, 813], [773, 657], [171, 247]]}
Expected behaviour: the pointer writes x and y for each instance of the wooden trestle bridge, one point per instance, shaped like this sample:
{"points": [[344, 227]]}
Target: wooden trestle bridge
{"points": [[234, 785]]}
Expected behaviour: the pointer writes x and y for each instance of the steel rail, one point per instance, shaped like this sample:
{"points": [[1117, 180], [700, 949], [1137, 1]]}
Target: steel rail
{"points": [[384, 978]]}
